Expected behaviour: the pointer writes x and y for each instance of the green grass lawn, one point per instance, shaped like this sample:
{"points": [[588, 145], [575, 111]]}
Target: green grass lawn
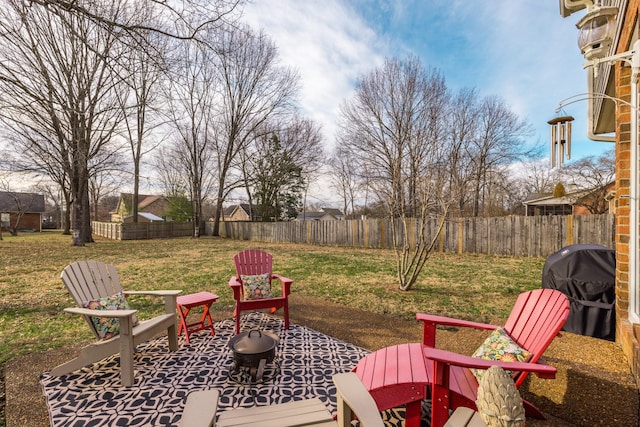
{"points": [[32, 296]]}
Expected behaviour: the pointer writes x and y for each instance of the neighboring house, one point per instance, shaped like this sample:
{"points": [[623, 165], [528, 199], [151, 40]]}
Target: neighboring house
{"points": [[25, 209], [573, 203], [616, 80], [240, 212], [144, 217], [156, 205], [337, 213], [324, 214]]}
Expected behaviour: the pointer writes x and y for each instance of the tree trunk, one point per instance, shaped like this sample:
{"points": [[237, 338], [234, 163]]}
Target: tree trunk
{"points": [[136, 187]]}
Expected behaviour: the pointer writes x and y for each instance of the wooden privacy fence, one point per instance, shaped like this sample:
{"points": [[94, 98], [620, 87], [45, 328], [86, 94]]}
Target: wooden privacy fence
{"points": [[511, 235], [141, 230]]}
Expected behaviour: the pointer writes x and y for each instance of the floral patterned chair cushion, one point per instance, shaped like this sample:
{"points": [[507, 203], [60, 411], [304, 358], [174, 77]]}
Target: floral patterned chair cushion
{"points": [[256, 287], [499, 346], [108, 327]]}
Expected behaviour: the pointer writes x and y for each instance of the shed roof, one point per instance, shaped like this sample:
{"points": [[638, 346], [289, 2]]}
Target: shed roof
{"points": [[11, 201], [149, 216]]}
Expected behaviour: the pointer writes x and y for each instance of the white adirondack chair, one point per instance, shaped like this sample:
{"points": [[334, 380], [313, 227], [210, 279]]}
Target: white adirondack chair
{"points": [[352, 397], [90, 280]]}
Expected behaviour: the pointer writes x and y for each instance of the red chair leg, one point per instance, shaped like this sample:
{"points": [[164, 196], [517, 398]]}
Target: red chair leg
{"points": [[286, 315], [440, 394], [413, 414]]}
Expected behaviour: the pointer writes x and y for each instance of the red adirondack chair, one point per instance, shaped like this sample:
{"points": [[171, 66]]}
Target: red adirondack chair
{"points": [[255, 262], [535, 320]]}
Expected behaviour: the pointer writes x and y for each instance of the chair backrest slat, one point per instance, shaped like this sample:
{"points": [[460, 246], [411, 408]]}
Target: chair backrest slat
{"points": [[88, 280], [536, 319], [252, 262]]}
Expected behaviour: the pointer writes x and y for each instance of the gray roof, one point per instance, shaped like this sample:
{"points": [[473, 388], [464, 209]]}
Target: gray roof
{"points": [[21, 202], [567, 199], [310, 216], [333, 211]]}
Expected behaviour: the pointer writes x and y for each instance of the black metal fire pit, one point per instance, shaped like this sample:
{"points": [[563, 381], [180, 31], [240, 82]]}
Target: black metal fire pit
{"points": [[252, 351]]}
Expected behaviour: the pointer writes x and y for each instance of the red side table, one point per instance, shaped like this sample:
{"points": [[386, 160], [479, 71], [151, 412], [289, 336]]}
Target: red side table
{"points": [[186, 302]]}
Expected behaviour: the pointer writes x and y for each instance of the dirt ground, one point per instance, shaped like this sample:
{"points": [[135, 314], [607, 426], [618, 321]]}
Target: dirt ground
{"points": [[593, 387]]}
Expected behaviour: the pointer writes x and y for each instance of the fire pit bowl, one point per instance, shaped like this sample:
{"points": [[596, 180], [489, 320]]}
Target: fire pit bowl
{"points": [[253, 350]]}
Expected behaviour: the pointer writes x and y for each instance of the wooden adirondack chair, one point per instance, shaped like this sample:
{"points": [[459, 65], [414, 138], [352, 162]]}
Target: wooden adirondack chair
{"points": [[255, 262], [535, 320], [92, 280], [352, 396]]}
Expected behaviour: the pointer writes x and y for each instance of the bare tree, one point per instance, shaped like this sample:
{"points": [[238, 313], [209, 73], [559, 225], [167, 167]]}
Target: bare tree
{"points": [[142, 74], [253, 89], [391, 129], [537, 177], [179, 21], [594, 174], [192, 108], [344, 179], [498, 143], [175, 183], [462, 127], [57, 84]]}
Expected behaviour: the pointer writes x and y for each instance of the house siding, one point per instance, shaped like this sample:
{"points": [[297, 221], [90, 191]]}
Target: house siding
{"points": [[156, 205]]}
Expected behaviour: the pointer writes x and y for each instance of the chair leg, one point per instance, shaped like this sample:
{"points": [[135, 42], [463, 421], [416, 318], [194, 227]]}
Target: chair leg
{"points": [[172, 335], [286, 314], [127, 376], [531, 411], [237, 321], [439, 394]]}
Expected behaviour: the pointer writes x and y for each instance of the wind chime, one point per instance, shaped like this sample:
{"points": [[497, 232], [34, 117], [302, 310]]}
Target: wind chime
{"points": [[560, 140]]}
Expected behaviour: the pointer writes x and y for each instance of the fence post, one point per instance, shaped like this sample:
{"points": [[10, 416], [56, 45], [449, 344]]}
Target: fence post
{"points": [[365, 229], [569, 230], [460, 236]]}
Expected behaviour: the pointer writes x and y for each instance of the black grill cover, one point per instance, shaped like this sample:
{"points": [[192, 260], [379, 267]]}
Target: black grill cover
{"points": [[586, 274]]}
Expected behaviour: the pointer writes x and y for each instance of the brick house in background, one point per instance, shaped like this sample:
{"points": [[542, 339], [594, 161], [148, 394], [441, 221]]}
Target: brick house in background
{"points": [[572, 203], [156, 205], [25, 209], [614, 80]]}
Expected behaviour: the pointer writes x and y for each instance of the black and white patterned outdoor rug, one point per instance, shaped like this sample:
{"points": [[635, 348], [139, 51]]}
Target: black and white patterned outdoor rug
{"points": [[307, 359]]}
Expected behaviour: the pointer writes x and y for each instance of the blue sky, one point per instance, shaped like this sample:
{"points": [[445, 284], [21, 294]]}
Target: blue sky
{"points": [[522, 51]]}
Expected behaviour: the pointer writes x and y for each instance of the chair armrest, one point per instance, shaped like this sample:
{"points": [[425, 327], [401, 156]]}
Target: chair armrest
{"points": [[429, 323], [286, 283], [354, 399], [200, 409], [165, 292], [236, 286], [170, 297], [456, 359], [101, 313]]}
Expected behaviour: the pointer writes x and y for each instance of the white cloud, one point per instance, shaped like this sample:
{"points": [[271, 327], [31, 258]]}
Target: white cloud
{"points": [[327, 43], [523, 52]]}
